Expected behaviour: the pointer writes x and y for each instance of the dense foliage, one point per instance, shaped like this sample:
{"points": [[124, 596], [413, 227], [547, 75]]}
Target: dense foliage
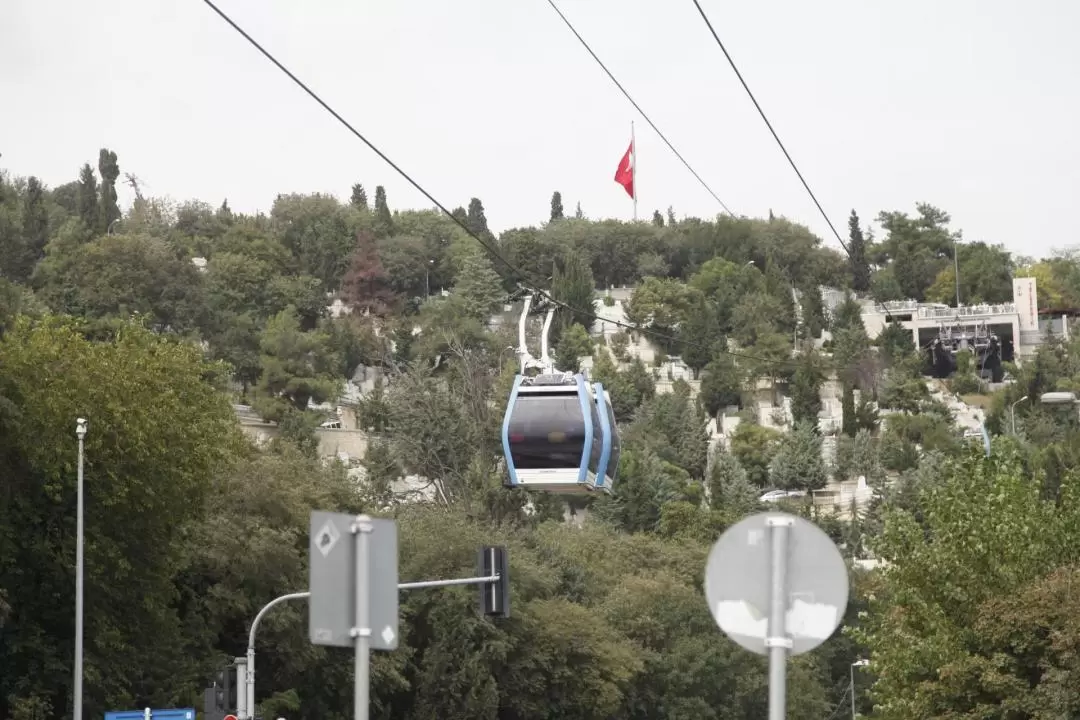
{"points": [[153, 320]]}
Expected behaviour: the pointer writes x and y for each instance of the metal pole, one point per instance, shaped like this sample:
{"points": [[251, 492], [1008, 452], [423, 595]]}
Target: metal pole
{"points": [[241, 687], [777, 641], [362, 632], [851, 689], [484, 580], [956, 270], [633, 166], [80, 433], [1012, 413], [250, 704], [247, 709]]}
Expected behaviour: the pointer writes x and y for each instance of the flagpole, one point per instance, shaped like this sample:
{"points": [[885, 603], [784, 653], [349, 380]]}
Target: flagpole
{"points": [[633, 166]]}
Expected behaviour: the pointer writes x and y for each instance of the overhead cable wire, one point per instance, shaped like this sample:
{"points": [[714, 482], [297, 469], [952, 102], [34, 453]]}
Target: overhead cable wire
{"points": [[638, 107], [769, 125], [519, 275], [776, 137], [839, 704]]}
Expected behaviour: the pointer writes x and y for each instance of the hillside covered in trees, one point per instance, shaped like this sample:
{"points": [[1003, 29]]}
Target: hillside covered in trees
{"points": [[153, 320]]}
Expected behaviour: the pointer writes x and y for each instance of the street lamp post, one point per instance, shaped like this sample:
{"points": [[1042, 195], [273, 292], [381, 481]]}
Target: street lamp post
{"points": [[427, 279], [80, 433], [1012, 414], [851, 688], [248, 705]]}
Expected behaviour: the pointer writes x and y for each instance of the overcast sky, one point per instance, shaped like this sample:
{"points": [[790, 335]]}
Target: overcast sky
{"points": [[972, 105]]}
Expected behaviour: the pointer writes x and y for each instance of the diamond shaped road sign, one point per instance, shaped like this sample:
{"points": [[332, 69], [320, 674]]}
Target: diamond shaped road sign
{"points": [[327, 537], [332, 581]]}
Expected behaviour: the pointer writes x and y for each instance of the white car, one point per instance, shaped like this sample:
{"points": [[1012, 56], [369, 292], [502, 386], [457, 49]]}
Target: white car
{"points": [[776, 495]]}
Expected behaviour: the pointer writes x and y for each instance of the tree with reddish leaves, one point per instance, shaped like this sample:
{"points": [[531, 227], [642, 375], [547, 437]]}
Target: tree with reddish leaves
{"points": [[365, 286]]}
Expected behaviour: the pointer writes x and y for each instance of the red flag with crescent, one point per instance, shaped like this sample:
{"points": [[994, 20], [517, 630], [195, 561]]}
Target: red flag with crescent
{"points": [[625, 173]]}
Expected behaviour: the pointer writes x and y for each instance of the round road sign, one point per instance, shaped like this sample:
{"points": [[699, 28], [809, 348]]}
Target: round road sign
{"points": [[737, 583]]}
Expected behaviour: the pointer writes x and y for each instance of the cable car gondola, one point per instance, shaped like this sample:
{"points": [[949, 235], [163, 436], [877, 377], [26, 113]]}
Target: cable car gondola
{"points": [[559, 431]]}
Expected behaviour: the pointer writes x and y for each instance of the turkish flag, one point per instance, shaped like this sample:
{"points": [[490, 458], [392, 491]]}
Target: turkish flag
{"points": [[625, 174]]}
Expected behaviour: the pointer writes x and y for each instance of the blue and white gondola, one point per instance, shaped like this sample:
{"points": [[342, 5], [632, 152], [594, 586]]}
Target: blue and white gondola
{"points": [[608, 466], [559, 432]]}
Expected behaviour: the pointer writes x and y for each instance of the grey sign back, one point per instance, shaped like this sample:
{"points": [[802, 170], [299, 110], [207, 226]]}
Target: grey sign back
{"points": [[738, 587], [332, 581]]}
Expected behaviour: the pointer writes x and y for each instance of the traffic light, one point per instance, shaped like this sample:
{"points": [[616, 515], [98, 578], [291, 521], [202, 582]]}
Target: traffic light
{"points": [[221, 690], [495, 596], [221, 698]]}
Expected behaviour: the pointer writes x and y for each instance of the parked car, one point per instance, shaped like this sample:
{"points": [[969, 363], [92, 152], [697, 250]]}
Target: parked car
{"points": [[777, 495]]}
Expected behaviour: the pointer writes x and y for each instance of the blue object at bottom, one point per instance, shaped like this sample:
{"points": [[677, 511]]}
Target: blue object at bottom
{"points": [[181, 714]]}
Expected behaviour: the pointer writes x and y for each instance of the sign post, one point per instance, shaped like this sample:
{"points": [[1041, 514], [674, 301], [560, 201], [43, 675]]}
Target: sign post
{"points": [[362, 530], [776, 585], [354, 591], [777, 640]]}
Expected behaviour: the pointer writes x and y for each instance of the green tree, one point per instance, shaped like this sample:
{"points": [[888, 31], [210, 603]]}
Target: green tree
{"points": [[476, 221], [806, 389], [813, 312], [158, 432], [574, 344], [797, 463], [847, 408], [297, 367], [652, 264], [556, 206], [985, 276], [730, 488], [753, 446], [319, 232], [572, 285], [247, 544], [384, 221], [86, 201], [120, 275], [847, 315], [984, 534], [700, 336], [460, 465], [721, 384], [108, 208], [478, 287], [662, 304], [646, 484], [358, 198], [672, 426], [620, 345], [916, 249], [24, 251], [895, 342], [866, 458], [860, 268]]}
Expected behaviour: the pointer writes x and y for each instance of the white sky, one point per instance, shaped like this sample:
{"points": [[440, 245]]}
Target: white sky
{"points": [[972, 105]]}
